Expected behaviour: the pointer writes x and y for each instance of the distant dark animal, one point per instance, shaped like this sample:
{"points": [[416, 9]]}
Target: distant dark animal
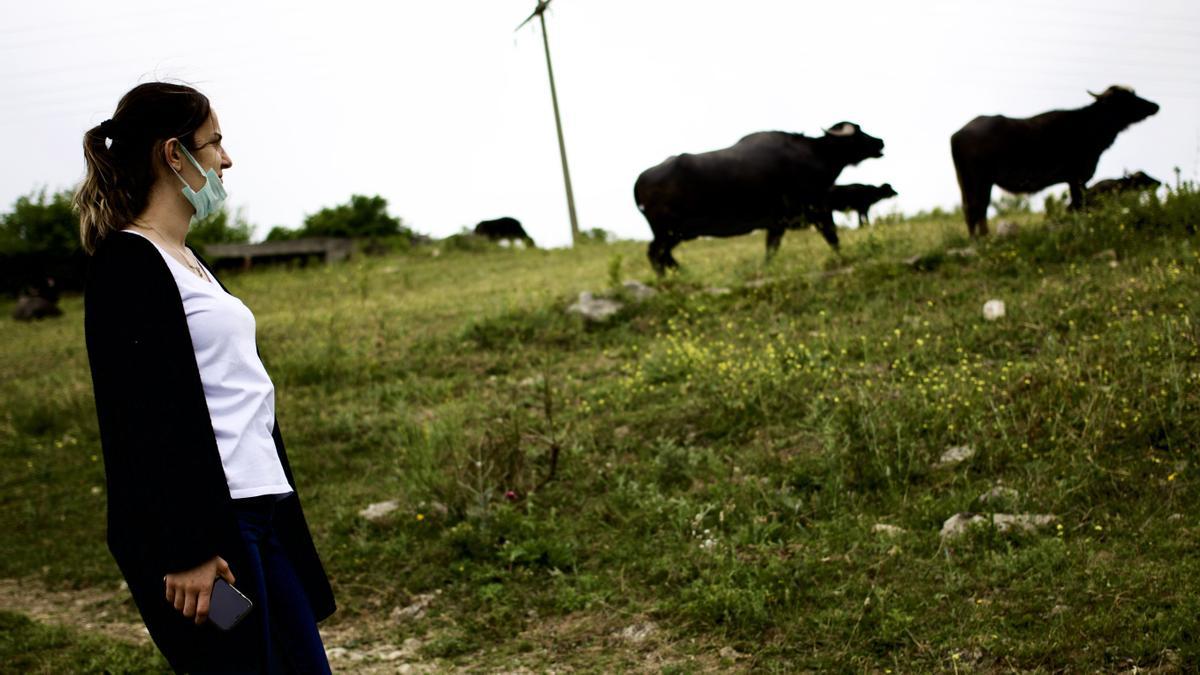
{"points": [[37, 302], [770, 179], [1029, 154], [859, 198], [1134, 182], [503, 228]]}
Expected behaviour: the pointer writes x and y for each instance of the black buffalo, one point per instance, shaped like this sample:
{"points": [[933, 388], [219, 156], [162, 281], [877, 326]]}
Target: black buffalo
{"points": [[39, 301], [1134, 182], [1029, 154], [859, 198], [503, 228], [769, 179]]}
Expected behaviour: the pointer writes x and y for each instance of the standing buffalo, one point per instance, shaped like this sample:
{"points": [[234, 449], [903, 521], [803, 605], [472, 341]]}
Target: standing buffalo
{"points": [[769, 179], [1029, 154], [503, 228], [1138, 182], [859, 198]]}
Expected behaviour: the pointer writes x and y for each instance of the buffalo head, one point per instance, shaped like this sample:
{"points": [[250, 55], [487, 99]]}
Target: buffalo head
{"points": [[887, 191], [1125, 106], [854, 143], [1141, 180]]}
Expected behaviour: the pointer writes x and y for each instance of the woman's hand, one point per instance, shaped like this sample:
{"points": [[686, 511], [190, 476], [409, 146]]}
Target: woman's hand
{"points": [[189, 591]]}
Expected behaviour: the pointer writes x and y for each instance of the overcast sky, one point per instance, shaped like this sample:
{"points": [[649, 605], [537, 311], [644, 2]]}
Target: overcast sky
{"points": [[445, 111]]}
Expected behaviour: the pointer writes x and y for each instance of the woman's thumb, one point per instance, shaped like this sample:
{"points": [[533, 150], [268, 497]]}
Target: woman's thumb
{"points": [[224, 571]]}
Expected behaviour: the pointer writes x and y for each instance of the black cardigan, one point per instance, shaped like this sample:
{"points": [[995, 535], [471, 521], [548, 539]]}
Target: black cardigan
{"points": [[169, 507]]}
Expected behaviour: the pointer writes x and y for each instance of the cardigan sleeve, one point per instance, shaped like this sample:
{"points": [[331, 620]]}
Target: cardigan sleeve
{"points": [[166, 484]]}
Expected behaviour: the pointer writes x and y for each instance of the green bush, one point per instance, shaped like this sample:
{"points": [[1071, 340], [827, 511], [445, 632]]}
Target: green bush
{"points": [[216, 229], [40, 223], [361, 217]]}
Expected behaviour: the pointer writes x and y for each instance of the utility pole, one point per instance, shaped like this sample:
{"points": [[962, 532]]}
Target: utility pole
{"points": [[540, 13]]}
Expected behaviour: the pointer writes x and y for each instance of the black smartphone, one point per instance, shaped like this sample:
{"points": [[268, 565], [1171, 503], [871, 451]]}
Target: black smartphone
{"points": [[227, 606]]}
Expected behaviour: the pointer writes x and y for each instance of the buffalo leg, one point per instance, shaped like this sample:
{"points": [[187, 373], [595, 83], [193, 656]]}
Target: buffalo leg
{"points": [[1076, 196], [828, 229], [975, 197], [863, 220], [660, 256], [774, 236]]}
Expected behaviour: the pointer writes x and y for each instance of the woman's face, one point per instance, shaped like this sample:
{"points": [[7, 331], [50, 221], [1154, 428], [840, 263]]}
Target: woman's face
{"points": [[209, 152]]}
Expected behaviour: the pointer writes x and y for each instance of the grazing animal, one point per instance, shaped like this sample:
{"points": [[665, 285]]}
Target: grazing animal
{"points": [[1028, 154], [1133, 182], [859, 198], [37, 302], [770, 179], [503, 228]]}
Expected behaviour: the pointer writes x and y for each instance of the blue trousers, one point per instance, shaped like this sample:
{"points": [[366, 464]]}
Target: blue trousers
{"points": [[290, 642]]}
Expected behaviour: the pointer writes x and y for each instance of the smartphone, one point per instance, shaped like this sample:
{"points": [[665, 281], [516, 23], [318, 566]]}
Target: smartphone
{"points": [[227, 606]]}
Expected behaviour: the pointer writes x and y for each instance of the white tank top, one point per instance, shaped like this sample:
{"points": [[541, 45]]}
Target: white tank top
{"points": [[240, 395]]}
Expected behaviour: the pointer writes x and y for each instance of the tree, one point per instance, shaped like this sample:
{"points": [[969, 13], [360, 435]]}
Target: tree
{"points": [[215, 229], [361, 217], [40, 223], [39, 240]]}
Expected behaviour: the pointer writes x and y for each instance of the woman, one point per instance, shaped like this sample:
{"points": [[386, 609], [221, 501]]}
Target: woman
{"points": [[199, 485]]}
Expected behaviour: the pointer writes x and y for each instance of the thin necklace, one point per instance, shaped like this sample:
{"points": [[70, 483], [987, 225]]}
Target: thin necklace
{"points": [[189, 260]]}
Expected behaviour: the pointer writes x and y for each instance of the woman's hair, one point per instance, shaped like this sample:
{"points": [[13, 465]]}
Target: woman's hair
{"points": [[120, 175]]}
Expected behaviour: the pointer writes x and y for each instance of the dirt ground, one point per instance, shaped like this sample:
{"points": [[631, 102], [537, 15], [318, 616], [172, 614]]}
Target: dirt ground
{"points": [[580, 642]]}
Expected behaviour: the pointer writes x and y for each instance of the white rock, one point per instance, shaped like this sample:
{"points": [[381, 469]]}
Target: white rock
{"points": [[1026, 522], [960, 523], [334, 653], [967, 252], [638, 632], [956, 455], [1175, 517], [639, 291], [416, 610], [999, 495], [759, 283], [379, 510], [411, 645], [594, 309], [1006, 228], [730, 653], [887, 530], [993, 309], [717, 290]]}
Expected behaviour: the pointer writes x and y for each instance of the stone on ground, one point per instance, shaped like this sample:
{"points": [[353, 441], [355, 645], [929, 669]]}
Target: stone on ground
{"points": [[956, 455], [594, 309], [379, 510]]}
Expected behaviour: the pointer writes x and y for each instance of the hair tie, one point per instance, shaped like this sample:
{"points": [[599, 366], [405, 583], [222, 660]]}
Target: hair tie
{"points": [[107, 129]]}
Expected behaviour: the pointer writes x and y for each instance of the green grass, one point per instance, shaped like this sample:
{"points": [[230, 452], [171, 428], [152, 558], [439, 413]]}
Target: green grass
{"points": [[27, 646], [723, 457]]}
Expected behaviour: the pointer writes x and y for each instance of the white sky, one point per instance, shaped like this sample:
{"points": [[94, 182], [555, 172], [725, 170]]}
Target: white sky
{"points": [[445, 111]]}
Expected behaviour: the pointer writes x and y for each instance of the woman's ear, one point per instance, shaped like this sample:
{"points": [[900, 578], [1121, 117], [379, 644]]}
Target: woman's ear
{"points": [[171, 155]]}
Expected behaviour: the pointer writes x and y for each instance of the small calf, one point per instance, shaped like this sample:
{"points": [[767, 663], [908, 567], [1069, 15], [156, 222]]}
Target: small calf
{"points": [[1133, 182], [859, 198]]}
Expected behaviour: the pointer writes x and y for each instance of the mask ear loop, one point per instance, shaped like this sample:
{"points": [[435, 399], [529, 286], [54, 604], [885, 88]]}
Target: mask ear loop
{"points": [[194, 163]]}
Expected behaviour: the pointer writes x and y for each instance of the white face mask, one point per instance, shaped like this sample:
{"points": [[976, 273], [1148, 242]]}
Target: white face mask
{"points": [[210, 197]]}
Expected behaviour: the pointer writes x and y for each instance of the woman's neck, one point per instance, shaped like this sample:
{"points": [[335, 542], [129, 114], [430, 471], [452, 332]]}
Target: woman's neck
{"points": [[167, 214]]}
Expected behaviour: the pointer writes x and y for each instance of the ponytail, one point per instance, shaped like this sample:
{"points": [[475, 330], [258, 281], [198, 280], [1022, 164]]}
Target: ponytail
{"points": [[116, 188]]}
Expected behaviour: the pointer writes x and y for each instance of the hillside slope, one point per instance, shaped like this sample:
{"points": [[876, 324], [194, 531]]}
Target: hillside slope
{"points": [[750, 463]]}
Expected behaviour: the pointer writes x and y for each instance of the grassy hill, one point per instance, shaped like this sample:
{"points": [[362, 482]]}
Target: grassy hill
{"points": [[725, 452]]}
